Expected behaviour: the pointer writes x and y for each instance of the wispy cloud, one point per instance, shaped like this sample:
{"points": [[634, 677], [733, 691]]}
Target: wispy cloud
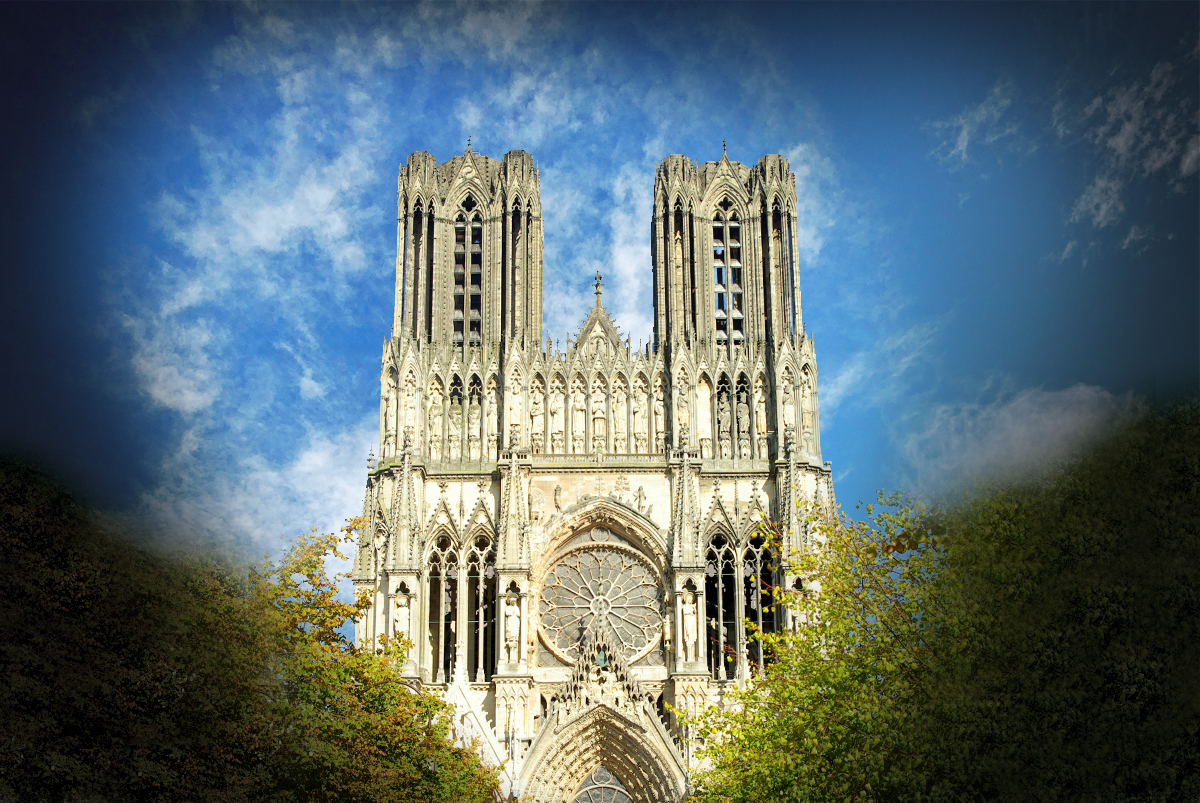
{"points": [[981, 124], [881, 373], [1013, 434]]}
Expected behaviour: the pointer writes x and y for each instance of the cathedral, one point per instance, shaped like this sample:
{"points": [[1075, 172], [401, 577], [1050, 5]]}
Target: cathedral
{"points": [[570, 537]]}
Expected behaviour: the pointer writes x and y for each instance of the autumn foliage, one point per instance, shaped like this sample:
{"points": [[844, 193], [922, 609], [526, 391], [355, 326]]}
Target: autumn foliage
{"points": [[128, 677], [1031, 641]]}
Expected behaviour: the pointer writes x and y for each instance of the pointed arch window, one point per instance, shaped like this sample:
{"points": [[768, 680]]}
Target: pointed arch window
{"points": [[728, 308], [443, 606], [760, 575], [481, 602], [721, 603]]}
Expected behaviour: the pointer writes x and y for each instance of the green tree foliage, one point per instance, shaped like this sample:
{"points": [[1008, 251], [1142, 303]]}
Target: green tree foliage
{"points": [[1031, 642], [127, 677]]}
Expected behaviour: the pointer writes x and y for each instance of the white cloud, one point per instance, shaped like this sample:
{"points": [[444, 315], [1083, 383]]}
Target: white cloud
{"points": [[1135, 233], [1015, 434], [878, 374], [816, 196], [1101, 201], [979, 124], [1067, 251], [172, 365]]}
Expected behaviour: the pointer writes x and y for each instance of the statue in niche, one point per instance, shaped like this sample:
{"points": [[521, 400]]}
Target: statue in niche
{"points": [[434, 424], [760, 417], [689, 627], [639, 421], [410, 406], [389, 417], [619, 420], [537, 420], [512, 629], [789, 404], [474, 414], [723, 424], [400, 619], [806, 416], [743, 426], [660, 421], [512, 413], [493, 421], [556, 420], [454, 432], [578, 415], [598, 419], [677, 250], [666, 629]]}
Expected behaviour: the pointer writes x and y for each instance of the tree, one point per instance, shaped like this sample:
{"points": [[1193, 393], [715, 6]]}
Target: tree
{"points": [[1034, 640], [129, 677]]}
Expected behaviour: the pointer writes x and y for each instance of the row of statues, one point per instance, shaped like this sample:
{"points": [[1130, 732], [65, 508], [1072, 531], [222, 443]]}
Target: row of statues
{"points": [[579, 420]]}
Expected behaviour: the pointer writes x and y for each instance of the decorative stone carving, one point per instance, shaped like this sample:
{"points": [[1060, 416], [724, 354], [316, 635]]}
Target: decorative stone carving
{"points": [[789, 405], [760, 417], [688, 610], [723, 425], [556, 418], [512, 629], [400, 617], [743, 427], [599, 418], [434, 424], [454, 432], [578, 416], [806, 414], [537, 419], [537, 505], [639, 418], [389, 416], [660, 419], [619, 441], [493, 420], [474, 415]]}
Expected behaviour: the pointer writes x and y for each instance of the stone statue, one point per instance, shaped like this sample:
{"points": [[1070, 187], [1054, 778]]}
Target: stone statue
{"points": [[806, 416], [400, 618], [380, 544], [619, 420], [410, 406], [434, 424], [639, 422], [598, 419], [558, 498], [789, 404], [641, 499], [389, 417], [743, 426], [666, 631], [454, 432], [677, 250], [537, 420], [660, 421], [683, 414], [760, 418], [723, 425], [776, 249], [493, 421], [556, 421], [474, 414], [512, 629], [578, 412], [689, 627]]}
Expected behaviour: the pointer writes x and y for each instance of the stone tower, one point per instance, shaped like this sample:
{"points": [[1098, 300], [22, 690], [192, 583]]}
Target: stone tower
{"points": [[570, 537]]}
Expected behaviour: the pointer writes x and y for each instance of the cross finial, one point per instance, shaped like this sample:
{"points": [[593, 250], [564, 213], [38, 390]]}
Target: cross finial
{"points": [[722, 147], [597, 284]]}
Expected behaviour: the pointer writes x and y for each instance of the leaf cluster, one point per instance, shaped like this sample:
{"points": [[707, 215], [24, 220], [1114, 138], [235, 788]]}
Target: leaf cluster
{"points": [[128, 677], [1035, 641]]}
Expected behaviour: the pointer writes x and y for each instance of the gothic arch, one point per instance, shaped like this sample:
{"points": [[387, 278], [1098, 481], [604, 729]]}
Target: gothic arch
{"points": [[638, 753], [604, 512]]}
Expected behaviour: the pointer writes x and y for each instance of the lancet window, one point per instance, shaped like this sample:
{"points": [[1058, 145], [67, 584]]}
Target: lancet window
{"points": [[728, 306], [738, 586], [468, 275], [443, 606], [481, 606]]}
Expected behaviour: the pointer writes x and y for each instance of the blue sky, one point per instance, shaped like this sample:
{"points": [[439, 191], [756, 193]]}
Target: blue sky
{"points": [[998, 203]]}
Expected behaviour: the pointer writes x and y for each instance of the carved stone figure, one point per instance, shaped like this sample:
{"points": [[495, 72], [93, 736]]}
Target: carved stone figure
{"points": [[660, 421], [558, 499], [578, 414], [474, 414], [641, 499], [493, 421], [619, 420], [598, 419], [454, 432], [677, 250], [434, 425], [639, 422], [743, 426], [556, 421], [789, 404], [537, 421], [806, 416], [512, 629], [723, 425], [410, 405], [389, 417], [760, 417], [689, 627], [400, 617]]}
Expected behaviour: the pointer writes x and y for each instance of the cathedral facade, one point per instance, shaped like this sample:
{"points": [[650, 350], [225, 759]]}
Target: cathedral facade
{"points": [[570, 537]]}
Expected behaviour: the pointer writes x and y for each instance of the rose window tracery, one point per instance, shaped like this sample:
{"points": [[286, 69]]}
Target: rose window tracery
{"points": [[594, 579]]}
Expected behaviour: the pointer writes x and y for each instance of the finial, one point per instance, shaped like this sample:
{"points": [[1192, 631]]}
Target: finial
{"points": [[722, 147], [468, 142], [597, 284]]}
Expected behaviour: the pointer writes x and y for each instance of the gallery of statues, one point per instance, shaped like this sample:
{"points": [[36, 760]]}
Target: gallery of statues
{"points": [[568, 530]]}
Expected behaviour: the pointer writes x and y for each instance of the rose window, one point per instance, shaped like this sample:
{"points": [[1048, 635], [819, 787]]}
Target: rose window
{"points": [[594, 579]]}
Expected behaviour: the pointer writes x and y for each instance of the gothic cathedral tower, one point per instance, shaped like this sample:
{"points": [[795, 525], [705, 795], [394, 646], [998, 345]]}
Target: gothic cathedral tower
{"points": [[569, 538]]}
